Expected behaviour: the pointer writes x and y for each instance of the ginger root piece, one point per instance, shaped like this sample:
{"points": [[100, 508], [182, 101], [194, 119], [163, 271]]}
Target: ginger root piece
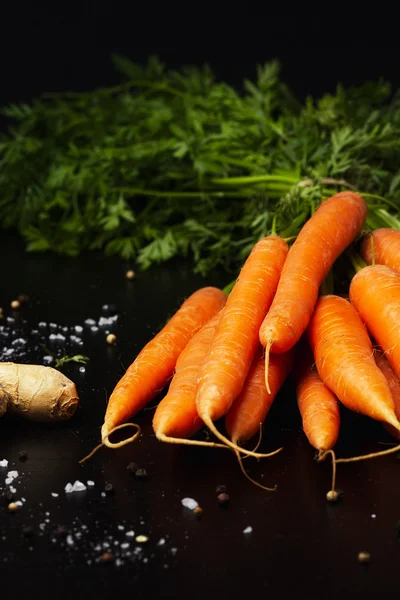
{"points": [[36, 392]]}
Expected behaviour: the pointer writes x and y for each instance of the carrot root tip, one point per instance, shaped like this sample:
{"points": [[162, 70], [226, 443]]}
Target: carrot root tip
{"points": [[263, 487], [208, 421], [106, 442], [267, 353], [186, 442]]}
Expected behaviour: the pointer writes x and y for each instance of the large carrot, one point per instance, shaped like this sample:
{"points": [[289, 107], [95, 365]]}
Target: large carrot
{"points": [[155, 364], [251, 407], [345, 361], [318, 405], [176, 417], [375, 293], [323, 238], [394, 384], [225, 369], [382, 247]]}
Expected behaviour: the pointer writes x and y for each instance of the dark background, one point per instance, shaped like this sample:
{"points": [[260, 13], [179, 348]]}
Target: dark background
{"points": [[67, 46]]}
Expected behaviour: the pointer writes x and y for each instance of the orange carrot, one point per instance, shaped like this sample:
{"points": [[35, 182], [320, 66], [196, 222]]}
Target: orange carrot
{"points": [[394, 384], [382, 245], [155, 364], [251, 407], [345, 361], [176, 415], [319, 407], [323, 238], [375, 293], [225, 369]]}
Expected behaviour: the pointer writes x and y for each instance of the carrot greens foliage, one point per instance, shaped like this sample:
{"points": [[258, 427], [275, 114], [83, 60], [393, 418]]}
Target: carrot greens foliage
{"points": [[176, 163]]}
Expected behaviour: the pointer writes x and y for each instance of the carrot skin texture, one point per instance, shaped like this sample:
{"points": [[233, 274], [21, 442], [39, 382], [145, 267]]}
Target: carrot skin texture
{"points": [[375, 293], [251, 407], [386, 248], [394, 384], [176, 415], [155, 364], [318, 405], [323, 238], [225, 369], [345, 362]]}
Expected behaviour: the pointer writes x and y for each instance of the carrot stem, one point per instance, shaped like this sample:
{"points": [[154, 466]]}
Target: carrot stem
{"points": [[106, 441]]}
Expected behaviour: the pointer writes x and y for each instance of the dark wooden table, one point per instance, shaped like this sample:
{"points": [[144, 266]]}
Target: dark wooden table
{"points": [[300, 546]]}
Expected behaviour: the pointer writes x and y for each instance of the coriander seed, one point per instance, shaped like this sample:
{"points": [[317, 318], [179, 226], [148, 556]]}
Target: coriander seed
{"points": [[111, 338]]}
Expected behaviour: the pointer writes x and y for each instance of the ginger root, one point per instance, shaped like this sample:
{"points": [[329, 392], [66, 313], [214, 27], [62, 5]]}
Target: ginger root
{"points": [[36, 392]]}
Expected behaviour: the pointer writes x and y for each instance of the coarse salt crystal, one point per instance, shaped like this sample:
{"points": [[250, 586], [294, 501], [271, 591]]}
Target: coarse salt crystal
{"points": [[190, 503], [89, 322], [130, 534], [18, 503], [4, 463], [78, 328], [174, 551], [54, 494], [9, 480], [70, 540], [161, 542], [121, 527], [247, 530], [373, 516], [68, 488], [125, 545], [12, 489], [12, 474], [90, 483]]}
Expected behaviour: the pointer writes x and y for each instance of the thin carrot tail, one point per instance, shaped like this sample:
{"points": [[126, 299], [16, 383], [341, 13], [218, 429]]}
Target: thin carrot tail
{"points": [[332, 494], [258, 442], [368, 456], [208, 421], [106, 442], [184, 441], [263, 487], [267, 353]]}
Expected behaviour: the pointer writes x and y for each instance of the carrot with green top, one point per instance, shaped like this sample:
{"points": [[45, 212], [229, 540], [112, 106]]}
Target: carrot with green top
{"points": [[382, 247], [334, 225], [228, 362], [155, 364], [176, 417], [345, 360]]}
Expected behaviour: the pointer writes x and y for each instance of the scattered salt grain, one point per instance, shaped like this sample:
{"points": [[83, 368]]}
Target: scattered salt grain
{"points": [[68, 488], [90, 483], [19, 342], [174, 551], [57, 337], [47, 360], [82, 369], [12, 474], [103, 494], [161, 542], [121, 527], [373, 516], [4, 463], [104, 321], [125, 545], [247, 530], [70, 540], [9, 480], [130, 534], [78, 328], [190, 503], [13, 489], [89, 322], [54, 494], [94, 328], [18, 503]]}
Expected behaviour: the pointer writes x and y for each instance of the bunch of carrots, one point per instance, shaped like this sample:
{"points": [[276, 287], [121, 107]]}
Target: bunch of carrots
{"points": [[228, 356]]}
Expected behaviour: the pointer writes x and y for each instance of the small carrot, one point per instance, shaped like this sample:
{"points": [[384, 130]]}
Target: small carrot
{"points": [[225, 369], [155, 364], [176, 417], [394, 384], [251, 407], [319, 409], [382, 247], [323, 238], [375, 293], [318, 405], [345, 362]]}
